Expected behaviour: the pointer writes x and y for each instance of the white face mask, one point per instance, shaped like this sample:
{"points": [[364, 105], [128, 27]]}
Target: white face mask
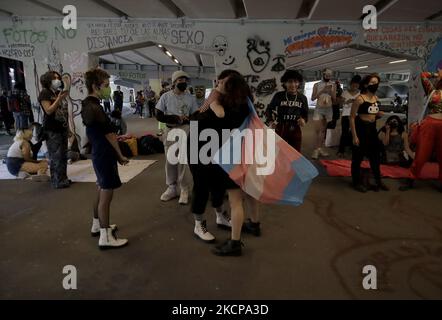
{"points": [[56, 84]]}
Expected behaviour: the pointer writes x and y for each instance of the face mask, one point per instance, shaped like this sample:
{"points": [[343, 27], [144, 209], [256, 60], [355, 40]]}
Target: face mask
{"points": [[373, 88], [56, 84], [182, 86], [394, 124], [326, 80], [105, 93]]}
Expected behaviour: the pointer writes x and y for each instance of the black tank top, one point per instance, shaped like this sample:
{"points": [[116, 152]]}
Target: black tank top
{"points": [[368, 107]]}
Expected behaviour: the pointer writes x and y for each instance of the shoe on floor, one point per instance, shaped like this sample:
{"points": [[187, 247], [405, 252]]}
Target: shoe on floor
{"points": [[201, 232], [109, 241], [381, 186], [315, 154], [169, 194], [323, 153], [40, 178], [360, 188], [223, 220], [184, 197], [229, 248], [252, 227], [95, 230]]}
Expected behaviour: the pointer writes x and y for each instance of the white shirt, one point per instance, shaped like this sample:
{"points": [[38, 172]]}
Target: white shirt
{"points": [[348, 102], [325, 97], [14, 150]]}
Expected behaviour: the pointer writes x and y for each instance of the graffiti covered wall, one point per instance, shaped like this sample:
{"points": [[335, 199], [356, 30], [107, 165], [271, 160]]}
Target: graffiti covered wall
{"points": [[257, 50]]}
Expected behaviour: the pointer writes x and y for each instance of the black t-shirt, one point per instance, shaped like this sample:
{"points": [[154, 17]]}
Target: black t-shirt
{"points": [[58, 120], [93, 115], [287, 107], [118, 97]]}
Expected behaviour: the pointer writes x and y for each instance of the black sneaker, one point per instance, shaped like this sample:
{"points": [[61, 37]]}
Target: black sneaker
{"points": [[229, 248], [252, 227], [360, 188]]}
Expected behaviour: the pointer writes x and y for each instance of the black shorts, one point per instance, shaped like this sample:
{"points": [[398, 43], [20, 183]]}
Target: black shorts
{"points": [[106, 170]]}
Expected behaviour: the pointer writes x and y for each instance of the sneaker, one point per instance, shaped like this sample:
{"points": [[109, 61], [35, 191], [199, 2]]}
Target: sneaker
{"points": [[184, 197], [315, 154], [252, 227], [360, 188], [323, 153], [109, 241], [201, 232], [229, 248], [380, 186], [169, 194], [223, 220], [40, 178], [23, 175]]}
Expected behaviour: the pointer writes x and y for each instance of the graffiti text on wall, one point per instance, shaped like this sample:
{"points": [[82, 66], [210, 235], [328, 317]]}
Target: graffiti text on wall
{"points": [[322, 38], [18, 51], [114, 34]]}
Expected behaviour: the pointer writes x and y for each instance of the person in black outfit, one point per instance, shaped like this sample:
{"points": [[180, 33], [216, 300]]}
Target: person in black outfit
{"points": [[105, 155], [207, 177], [6, 115], [55, 126], [364, 112], [233, 107], [289, 110], [118, 99]]}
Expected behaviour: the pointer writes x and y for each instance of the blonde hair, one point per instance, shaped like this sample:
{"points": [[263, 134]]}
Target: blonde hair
{"points": [[23, 135]]}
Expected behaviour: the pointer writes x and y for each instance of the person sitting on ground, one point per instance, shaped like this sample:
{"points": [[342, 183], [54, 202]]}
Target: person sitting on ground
{"points": [[120, 126], [20, 158], [395, 140]]}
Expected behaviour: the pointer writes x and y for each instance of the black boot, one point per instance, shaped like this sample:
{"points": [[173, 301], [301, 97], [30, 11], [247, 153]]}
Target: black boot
{"points": [[252, 227], [360, 187], [228, 248], [409, 184], [380, 186]]}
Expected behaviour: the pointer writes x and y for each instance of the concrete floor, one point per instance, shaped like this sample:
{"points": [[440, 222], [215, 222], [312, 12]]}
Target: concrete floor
{"points": [[315, 251]]}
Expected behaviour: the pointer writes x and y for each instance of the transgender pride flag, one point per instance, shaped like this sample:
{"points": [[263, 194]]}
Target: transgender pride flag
{"points": [[292, 173]]}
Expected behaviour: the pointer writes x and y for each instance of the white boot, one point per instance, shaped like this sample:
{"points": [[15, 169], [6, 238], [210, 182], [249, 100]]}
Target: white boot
{"points": [[202, 233], [223, 220], [184, 197], [323, 153], [95, 230], [169, 194], [315, 154], [109, 241]]}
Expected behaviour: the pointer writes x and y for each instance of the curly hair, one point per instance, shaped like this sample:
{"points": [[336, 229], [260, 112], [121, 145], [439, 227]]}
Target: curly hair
{"points": [[46, 79], [95, 76], [292, 75]]}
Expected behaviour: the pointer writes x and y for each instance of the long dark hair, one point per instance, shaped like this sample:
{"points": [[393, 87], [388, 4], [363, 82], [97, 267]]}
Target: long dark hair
{"points": [[366, 80], [46, 79], [236, 92]]}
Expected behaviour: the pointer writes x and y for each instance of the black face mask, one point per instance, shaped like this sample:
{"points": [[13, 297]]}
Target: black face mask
{"points": [[182, 86], [373, 88], [326, 80], [394, 124]]}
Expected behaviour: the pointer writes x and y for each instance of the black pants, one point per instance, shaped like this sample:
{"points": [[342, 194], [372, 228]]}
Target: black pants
{"points": [[151, 105], [346, 139], [107, 106], [291, 134], [368, 147], [57, 143], [206, 181]]}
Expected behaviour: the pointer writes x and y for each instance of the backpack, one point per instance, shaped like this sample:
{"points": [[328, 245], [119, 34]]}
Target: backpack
{"points": [[150, 145]]}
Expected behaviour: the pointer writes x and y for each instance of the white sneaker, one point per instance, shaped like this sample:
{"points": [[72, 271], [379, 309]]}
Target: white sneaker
{"points": [[109, 241], [95, 230], [223, 220], [184, 197], [315, 154], [40, 178], [169, 194], [323, 153], [201, 232], [23, 175]]}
